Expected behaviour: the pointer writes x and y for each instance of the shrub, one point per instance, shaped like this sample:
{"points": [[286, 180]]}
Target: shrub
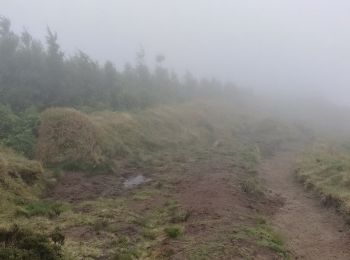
{"points": [[7, 120], [17, 243], [18, 131]]}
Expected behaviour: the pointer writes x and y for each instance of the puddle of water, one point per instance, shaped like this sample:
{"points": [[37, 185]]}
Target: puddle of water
{"points": [[135, 181]]}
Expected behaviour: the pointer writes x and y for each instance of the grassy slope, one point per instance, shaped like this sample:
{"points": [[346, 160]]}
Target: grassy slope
{"points": [[326, 169], [103, 140], [20, 182], [170, 142]]}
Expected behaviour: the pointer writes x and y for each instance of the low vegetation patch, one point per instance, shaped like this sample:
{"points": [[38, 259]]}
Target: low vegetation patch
{"points": [[42, 208], [262, 235], [173, 231], [251, 185]]}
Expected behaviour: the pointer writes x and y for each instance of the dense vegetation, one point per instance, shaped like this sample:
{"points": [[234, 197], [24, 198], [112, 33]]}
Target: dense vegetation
{"points": [[17, 243], [19, 130], [33, 74]]}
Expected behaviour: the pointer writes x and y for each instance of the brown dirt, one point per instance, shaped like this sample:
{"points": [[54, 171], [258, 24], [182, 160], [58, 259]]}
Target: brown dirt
{"points": [[75, 186], [208, 189], [218, 207], [310, 230]]}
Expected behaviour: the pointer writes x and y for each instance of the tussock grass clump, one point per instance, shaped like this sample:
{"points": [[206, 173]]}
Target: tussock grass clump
{"points": [[68, 138]]}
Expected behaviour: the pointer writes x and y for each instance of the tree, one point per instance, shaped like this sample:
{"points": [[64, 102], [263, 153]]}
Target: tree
{"points": [[54, 76]]}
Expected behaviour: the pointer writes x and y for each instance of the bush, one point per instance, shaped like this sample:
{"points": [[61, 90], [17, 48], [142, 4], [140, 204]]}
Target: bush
{"points": [[17, 243], [18, 131]]}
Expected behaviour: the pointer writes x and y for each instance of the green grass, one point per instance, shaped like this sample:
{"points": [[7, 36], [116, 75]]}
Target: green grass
{"points": [[262, 235], [41, 208]]}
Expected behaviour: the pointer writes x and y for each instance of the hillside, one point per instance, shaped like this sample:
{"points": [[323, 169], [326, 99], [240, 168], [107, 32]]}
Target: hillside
{"points": [[99, 162], [103, 140], [184, 181], [21, 181], [182, 152], [324, 168]]}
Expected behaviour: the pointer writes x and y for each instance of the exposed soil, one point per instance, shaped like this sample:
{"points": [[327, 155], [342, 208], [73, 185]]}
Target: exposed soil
{"points": [[310, 230], [218, 207], [77, 186], [210, 191]]}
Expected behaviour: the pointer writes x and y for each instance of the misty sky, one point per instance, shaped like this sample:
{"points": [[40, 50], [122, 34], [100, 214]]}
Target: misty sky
{"points": [[287, 45]]}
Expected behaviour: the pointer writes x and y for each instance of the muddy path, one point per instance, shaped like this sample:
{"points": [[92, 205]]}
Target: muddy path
{"points": [[310, 230]]}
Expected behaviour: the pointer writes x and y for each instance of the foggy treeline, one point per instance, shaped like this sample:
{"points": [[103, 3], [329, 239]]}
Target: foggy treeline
{"points": [[42, 75]]}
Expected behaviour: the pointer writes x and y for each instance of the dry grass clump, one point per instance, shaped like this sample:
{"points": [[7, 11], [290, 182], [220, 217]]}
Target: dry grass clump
{"points": [[68, 138]]}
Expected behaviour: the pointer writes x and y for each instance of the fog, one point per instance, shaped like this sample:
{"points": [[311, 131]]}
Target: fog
{"points": [[291, 46]]}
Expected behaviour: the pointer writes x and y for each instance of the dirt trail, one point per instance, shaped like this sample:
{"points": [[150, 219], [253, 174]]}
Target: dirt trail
{"points": [[310, 230]]}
